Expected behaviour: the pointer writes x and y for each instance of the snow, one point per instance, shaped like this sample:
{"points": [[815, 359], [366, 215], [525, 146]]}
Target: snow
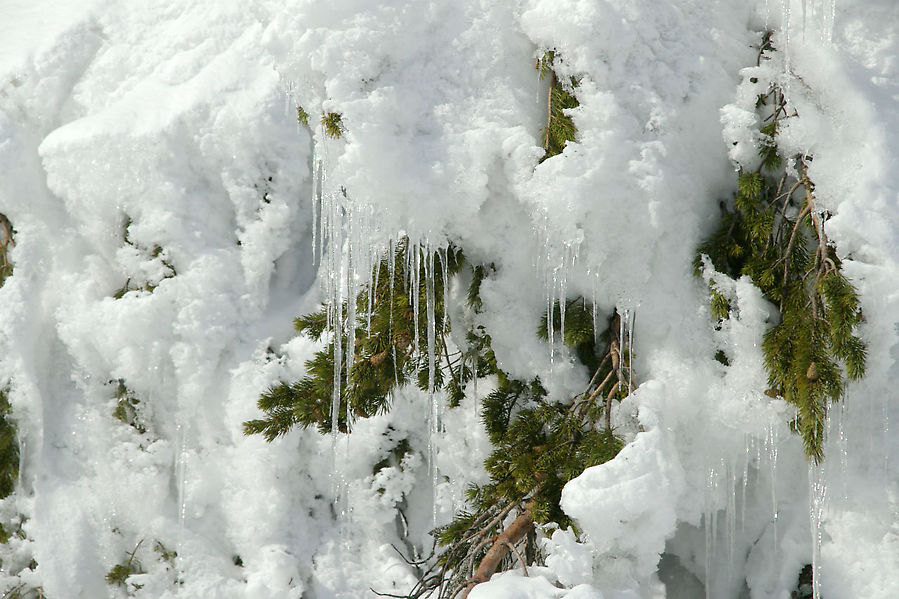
{"points": [[175, 124]]}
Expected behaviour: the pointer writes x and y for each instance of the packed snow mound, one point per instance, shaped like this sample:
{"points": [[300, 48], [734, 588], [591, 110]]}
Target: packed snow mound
{"points": [[166, 234]]}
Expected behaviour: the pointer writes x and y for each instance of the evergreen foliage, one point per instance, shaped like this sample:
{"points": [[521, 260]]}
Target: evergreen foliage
{"points": [[24, 591], [302, 116], [333, 124], [539, 443], [774, 233], [560, 128], [9, 451], [390, 352]]}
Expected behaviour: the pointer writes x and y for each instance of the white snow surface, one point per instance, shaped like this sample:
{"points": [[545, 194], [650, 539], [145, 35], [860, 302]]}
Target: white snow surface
{"points": [[178, 121]]}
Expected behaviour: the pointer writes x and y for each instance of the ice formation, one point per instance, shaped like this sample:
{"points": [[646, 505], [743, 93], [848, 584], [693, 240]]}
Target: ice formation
{"points": [[126, 127]]}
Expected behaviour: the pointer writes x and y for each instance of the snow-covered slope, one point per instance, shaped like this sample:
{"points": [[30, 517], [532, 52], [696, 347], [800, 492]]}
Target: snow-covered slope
{"points": [[162, 196]]}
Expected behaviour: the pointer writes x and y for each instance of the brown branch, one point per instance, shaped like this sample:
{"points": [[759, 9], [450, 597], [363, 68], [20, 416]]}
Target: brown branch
{"points": [[596, 374], [510, 536], [512, 548], [609, 405], [786, 257]]}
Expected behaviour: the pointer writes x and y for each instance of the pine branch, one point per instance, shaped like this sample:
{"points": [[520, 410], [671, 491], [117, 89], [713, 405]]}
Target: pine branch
{"points": [[811, 348]]}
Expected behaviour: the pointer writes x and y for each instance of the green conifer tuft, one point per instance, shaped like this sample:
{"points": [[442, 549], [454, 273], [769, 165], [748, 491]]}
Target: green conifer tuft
{"points": [[560, 128], [333, 124], [775, 234]]}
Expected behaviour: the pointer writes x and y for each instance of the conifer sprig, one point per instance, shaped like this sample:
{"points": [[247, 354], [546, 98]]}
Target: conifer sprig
{"points": [[333, 124], [775, 234], [560, 127]]}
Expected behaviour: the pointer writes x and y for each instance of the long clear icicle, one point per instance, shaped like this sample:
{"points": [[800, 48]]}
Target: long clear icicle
{"points": [[622, 325], [563, 300], [434, 415], [391, 273], [336, 308], [817, 497], [771, 441], [350, 308], [416, 282], [630, 350], [316, 205]]}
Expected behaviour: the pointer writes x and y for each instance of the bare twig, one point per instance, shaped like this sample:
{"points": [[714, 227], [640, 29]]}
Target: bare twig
{"points": [[786, 256], [524, 566]]}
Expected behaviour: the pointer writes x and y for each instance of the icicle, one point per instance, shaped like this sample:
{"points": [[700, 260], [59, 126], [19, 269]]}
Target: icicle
{"points": [[391, 271], [431, 324], [182, 485], [833, 20], [551, 318], [372, 292], [434, 416], [444, 261], [844, 453], [630, 351], [351, 309], [745, 483], [622, 324], [804, 10], [786, 26], [316, 201], [563, 300], [885, 418], [817, 496], [323, 216], [771, 446], [288, 95], [336, 306], [407, 268], [474, 381], [710, 526], [731, 519], [416, 282], [595, 323]]}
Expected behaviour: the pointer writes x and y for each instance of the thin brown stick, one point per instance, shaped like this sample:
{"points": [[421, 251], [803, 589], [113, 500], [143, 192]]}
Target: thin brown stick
{"points": [[786, 257], [524, 566], [596, 374]]}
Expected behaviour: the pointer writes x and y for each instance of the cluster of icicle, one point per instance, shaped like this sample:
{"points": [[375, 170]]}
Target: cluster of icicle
{"points": [[348, 247]]}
